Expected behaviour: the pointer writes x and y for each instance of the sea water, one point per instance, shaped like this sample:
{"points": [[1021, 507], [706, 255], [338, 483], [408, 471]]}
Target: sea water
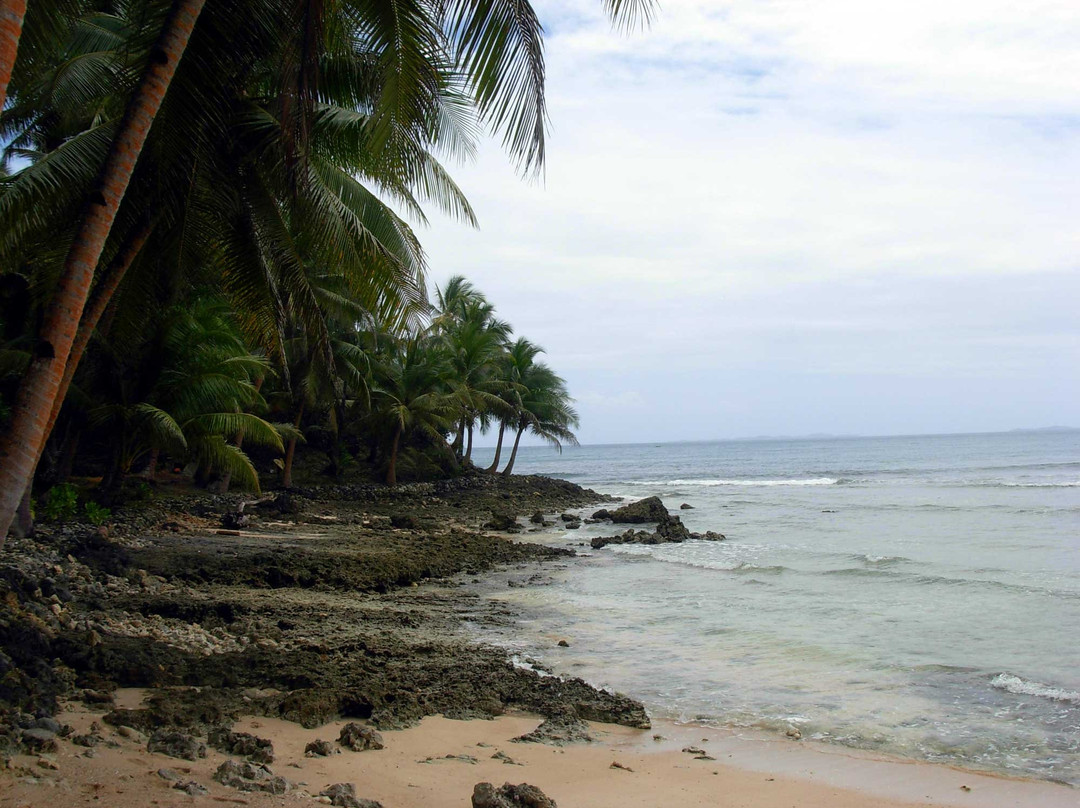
{"points": [[917, 596]]}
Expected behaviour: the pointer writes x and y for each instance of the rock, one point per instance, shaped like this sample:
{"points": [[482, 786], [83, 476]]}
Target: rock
{"points": [[693, 750], [668, 529], [235, 521], [405, 522], [52, 725], [344, 795], [89, 740], [538, 518], [564, 644], [506, 759], [603, 513], [686, 506], [794, 733], [708, 535], [39, 740], [501, 521], [650, 509], [131, 734], [97, 697], [47, 763], [250, 777], [558, 731], [243, 744], [358, 738], [192, 788], [485, 795], [168, 774], [284, 504], [176, 744], [319, 748]]}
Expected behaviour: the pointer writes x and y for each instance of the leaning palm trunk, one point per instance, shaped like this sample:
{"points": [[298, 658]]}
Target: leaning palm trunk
{"points": [[11, 22], [391, 470], [290, 452], [21, 446], [513, 455], [498, 449], [468, 450]]}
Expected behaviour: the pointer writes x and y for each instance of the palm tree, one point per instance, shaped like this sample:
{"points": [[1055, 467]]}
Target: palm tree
{"points": [[21, 446], [411, 395], [545, 410], [513, 367], [11, 23]]}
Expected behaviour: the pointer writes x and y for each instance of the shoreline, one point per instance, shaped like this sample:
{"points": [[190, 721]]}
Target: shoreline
{"points": [[193, 604]]}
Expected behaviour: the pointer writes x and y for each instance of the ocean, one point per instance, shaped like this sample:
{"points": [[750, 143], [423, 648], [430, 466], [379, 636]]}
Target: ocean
{"points": [[917, 596]]}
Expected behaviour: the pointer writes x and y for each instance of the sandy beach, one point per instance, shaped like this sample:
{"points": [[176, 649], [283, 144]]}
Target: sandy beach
{"points": [[350, 610], [437, 763]]}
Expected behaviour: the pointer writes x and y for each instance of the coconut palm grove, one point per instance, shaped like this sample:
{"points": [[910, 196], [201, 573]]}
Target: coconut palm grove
{"points": [[208, 246]]}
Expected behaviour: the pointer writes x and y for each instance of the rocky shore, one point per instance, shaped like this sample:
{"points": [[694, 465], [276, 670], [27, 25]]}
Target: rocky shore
{"points": [[304, 607]]}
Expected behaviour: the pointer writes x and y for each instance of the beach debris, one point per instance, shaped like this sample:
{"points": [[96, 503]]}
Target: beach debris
{"points": [[344, 796], [250, 777], [704, 757], [242, 744], [965, 788], [358, 738], [506, 759], [168, 774], [485, 795], [659, 738], [47, 763], [794, 733], [91, 739], [192, 788], [693, 750], [175, 744], [616, 765], [558, 730], [319, 748]]}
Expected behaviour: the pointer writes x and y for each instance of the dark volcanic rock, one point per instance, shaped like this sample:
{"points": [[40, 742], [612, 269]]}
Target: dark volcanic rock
{"points": [[234, 520], [243, 744], [558, 731], [358, 738], [250, 777], [485, 795], [319, 748], [668, 529], [538, 518], [650, 509], [176, 744], [344, 795], [686, 506], [501, 521]]}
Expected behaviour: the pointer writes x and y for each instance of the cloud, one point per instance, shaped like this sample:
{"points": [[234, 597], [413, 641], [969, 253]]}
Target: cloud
{"points": [[754, 192]]}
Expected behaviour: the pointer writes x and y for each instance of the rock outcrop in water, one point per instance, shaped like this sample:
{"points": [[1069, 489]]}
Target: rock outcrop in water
{"points": [[650, 509], [669, 529]]}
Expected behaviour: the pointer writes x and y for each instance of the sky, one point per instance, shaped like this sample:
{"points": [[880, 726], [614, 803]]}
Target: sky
{"points": [[785, 217]]}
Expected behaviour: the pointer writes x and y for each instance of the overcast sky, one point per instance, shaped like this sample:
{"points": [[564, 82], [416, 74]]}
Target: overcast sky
{"points": [[796, 216]]}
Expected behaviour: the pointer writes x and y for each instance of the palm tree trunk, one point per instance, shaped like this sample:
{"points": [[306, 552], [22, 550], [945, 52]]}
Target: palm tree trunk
{"points": [[468, 451], [513, 454], [498, 449], [391, 470], [24, 517], [290, 451], [11, 22], [150, 472], [21, 446], [103, 294]]}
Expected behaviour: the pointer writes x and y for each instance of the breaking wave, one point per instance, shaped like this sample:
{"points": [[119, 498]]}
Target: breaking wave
{"points": [[1022, 687]]}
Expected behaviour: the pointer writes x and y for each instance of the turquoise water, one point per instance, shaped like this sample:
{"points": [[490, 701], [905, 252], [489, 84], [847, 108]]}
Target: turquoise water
{"points": [[914, 595]]}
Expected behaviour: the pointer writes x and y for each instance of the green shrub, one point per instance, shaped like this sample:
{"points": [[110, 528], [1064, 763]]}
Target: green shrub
{"points": [[96, 514], [61, 503]]}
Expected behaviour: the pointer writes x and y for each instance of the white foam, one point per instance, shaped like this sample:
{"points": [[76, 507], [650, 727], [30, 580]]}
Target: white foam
{"points": [[1022, 687], [741, 483]]}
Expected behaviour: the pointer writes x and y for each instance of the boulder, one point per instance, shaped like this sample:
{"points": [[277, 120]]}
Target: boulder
{"points": [[558, 730], [485, 795], [358, 738], [686, 506], [234, 520], [538, 518], [344, 795], [319, 748], [243, 744], [670, 529], [650, 509], [501, 521], [250, 777], [176, 744]]}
